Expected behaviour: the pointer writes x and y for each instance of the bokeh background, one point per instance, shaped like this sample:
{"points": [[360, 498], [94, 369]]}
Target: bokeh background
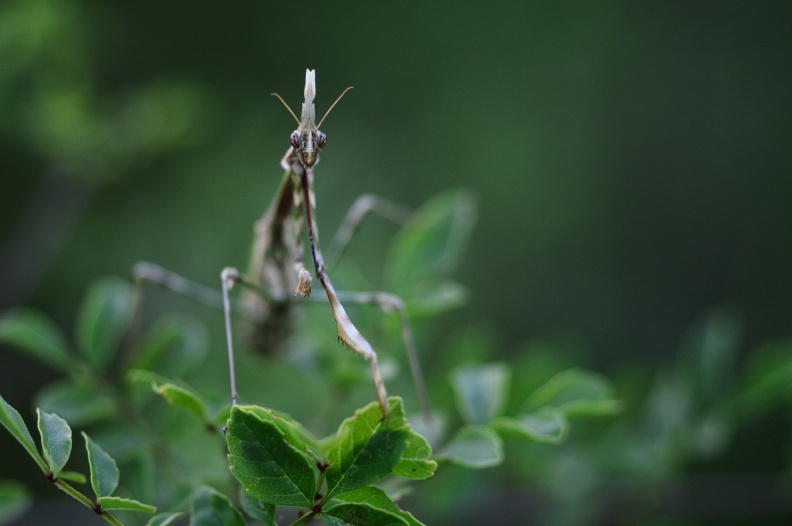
{"points": [[631, 163]]}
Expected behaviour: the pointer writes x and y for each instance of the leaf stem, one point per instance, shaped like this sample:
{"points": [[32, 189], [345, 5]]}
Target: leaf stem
{"points": [[63, 486], [319, 481], [111, 519], [79, 497]]}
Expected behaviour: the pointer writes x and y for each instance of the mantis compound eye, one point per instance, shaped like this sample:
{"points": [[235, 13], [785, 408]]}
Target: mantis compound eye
{"points": [[321, 139], [295, 140]]}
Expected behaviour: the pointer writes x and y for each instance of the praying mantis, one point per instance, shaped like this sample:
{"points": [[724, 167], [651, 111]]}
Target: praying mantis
{"points": [[277, 277]]}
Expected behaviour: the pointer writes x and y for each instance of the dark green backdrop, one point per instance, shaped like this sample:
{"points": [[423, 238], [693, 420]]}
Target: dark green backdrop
{"points": [[631, 160]]}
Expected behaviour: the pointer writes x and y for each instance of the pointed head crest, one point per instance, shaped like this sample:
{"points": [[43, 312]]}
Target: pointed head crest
{"points": [[308, 111]]}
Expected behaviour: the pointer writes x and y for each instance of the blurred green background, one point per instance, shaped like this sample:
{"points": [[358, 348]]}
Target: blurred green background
{"points": [[631, 160]]}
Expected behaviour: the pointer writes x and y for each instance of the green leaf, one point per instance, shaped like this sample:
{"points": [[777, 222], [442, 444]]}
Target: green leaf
{"points": [[481, 391], [11, 420], [118, 503], [415, 463], [366, 447], [433, 241], [36, 334], [299, 437], [261, 511], [266, 463], [474, 447], [180, 397], [547, 425], [355, 514], [104, 317], [211, 508], [433, 297], [77, 402], [164, 519], [73, 476], [142, 376], [576, 393], [104, 471], [56, 440], [173, 347], [15, 500], [374, 498]]}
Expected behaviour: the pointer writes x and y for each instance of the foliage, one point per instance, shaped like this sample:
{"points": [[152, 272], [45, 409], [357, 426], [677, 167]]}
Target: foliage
{"points": [[277, 461], [56, 445], [673, 421], [112, 383]]}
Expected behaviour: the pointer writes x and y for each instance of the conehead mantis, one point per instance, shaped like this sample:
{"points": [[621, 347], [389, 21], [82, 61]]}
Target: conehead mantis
{"points": [[277, 277]]}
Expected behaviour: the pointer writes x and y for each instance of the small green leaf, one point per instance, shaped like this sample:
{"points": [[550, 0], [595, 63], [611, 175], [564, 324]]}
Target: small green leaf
{"points": [[118, 503], [37, 335], [357, 514], [261, 458], [547, 425], [481, 391], [143, 377], [332, 521], [433, 297], [56, 440], [211, 508], [104, 317], [366, 447], [474, 447], [104, 471], [261, 511], [576, 393], [11, 420], [433, 241], [73, 476], [15, 500], [180, 397], [164, 519], [77, 402], [605, 407], [375, 498], [415, 463]]}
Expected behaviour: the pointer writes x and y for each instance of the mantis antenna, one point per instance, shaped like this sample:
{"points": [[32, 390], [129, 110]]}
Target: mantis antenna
{"points": [[332, 106], [287, 107], [326, 113]]}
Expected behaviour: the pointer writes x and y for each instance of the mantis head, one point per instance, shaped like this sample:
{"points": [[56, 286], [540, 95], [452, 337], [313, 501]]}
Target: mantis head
{"points": [[307, 140]]}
